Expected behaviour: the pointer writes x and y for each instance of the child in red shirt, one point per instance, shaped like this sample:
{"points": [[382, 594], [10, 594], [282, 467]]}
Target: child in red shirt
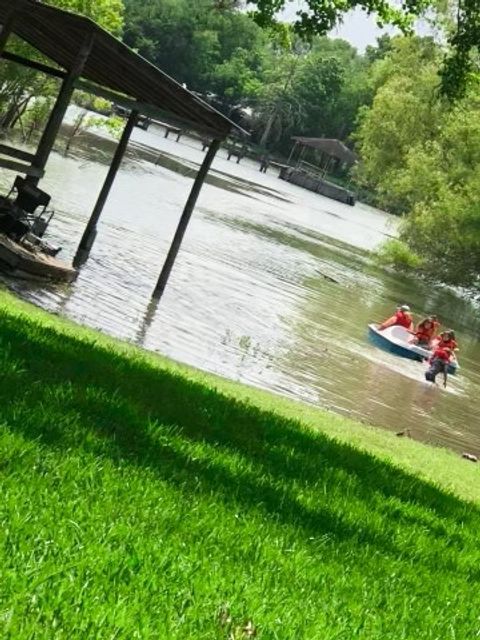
{"points": [[426, 331], [439, 362], [447, 339]]}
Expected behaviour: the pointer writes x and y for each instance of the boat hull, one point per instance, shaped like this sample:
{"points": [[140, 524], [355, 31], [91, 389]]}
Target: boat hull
{"points": [[20, 262], [394, 341]]}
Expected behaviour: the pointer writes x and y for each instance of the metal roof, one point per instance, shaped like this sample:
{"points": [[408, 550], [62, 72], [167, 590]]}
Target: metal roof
{"points": [[60, 35], [331, 146]]}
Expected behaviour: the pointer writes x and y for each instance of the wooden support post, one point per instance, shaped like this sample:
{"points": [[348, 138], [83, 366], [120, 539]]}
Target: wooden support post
{"points": [[292, 152], [9, 22], [184, 220], [61, 105], [90, 232], [33, 64], [6, 150]]}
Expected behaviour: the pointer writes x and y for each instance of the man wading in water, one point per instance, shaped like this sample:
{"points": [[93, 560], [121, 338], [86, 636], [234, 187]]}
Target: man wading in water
{"points": [[439, 362]]}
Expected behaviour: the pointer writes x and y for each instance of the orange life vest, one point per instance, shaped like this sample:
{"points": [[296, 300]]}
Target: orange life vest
{"points": [[425, 333]]}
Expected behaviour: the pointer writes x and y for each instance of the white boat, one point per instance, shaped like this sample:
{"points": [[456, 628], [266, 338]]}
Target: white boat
{"points": [[397, 340]]}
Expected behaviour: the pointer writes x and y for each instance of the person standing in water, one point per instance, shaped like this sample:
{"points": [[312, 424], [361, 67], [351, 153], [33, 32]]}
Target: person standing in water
{"points": [[439, 361], [402, 318]]}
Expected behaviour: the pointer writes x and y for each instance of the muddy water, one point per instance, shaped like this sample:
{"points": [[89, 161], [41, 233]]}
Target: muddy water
{"points": [[273, 286]]}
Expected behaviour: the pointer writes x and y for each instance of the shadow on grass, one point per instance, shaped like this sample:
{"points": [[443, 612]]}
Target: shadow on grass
{"points": [[125, 408]]}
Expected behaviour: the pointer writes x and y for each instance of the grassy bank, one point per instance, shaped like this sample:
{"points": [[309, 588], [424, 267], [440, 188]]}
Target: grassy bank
{"points": [[142, 499]]}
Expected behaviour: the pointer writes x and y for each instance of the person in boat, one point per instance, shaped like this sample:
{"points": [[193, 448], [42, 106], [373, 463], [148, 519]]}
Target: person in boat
{"points": [[402, 318], [447, 340], [439, 361], [426, 331]]}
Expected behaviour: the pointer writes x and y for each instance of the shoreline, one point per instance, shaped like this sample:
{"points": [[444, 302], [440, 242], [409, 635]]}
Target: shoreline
{"points": [[142, 498], [407, 453]]}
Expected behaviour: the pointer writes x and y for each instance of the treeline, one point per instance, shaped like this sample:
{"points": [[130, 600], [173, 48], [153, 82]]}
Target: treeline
{"points": [[419, 153], [421, 156], [271, 81]]}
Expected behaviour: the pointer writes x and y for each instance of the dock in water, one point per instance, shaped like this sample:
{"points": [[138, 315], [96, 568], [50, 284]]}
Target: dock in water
{"points": [[317, 184]]}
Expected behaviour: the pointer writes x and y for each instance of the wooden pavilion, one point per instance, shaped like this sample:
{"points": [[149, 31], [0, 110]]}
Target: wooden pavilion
{"points": [[329, 147], [85, 56], [311, 176]]}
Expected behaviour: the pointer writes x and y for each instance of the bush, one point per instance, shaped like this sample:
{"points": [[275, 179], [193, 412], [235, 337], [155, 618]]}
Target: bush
{"points": [[396, 253]]}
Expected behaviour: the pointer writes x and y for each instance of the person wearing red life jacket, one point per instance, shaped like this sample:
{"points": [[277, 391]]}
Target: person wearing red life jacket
{"points": [[447, 340], [439, 361], [426, 331], [402, 318]]}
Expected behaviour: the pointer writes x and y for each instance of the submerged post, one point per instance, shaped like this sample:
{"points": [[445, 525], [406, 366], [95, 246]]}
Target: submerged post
{"points": [[88, 237], [58, 113], [184, 220]]}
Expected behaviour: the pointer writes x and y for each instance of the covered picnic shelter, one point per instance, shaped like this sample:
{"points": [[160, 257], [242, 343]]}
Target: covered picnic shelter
{"points": [[330, 147], [84, 56]]}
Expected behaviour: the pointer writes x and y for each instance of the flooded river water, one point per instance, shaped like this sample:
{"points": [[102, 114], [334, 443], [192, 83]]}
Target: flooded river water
{"points": [[273, 285]]}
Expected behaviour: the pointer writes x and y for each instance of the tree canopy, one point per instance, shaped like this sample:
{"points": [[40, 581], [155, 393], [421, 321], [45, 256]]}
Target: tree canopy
{"points": [[318, 17], [421, 156], [108, 13]]}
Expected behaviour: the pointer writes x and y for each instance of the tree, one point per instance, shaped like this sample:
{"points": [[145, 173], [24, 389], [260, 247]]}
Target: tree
{"points": [[318, 17], [289, 85], [19, 86], [236, 79], [406, 113], [277, 107], [312, 90], [202, 44], [107, 13], [461, 65], [421, 154]]}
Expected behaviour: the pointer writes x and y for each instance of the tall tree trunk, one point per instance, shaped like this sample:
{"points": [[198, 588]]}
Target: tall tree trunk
{"points": [[21, 108], [268, 128]]}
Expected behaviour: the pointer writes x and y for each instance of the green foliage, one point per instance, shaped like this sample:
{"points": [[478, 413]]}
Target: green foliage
{"points": [[317, 17], [422, 156], [36, 116], [236, 79], [198, 44], [19, 85], [107, 13], [141, 499], [289, 85], [397, 254], [446, 232], [315, 91], [461, 66], [405, 114]]}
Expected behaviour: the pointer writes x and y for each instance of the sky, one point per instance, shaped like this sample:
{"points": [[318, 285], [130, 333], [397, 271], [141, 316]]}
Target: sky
{"points": [[358, 28]]}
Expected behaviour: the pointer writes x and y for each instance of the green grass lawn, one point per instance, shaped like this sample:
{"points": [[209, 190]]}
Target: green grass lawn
{"points": [[144, 499]]}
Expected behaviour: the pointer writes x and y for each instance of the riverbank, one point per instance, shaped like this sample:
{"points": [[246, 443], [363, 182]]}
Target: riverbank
{"points": [[142, 498]]}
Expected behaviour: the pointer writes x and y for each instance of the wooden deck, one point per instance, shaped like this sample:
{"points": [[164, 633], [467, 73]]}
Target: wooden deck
{"points": [[16, 260], [317, 184]]}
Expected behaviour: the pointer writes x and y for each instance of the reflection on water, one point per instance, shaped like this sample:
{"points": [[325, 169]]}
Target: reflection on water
{"points": [[272, 287]]}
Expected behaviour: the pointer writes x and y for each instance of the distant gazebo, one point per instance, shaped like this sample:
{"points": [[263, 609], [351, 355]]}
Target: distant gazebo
{"points": [[330, 148], [312, 176]]}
